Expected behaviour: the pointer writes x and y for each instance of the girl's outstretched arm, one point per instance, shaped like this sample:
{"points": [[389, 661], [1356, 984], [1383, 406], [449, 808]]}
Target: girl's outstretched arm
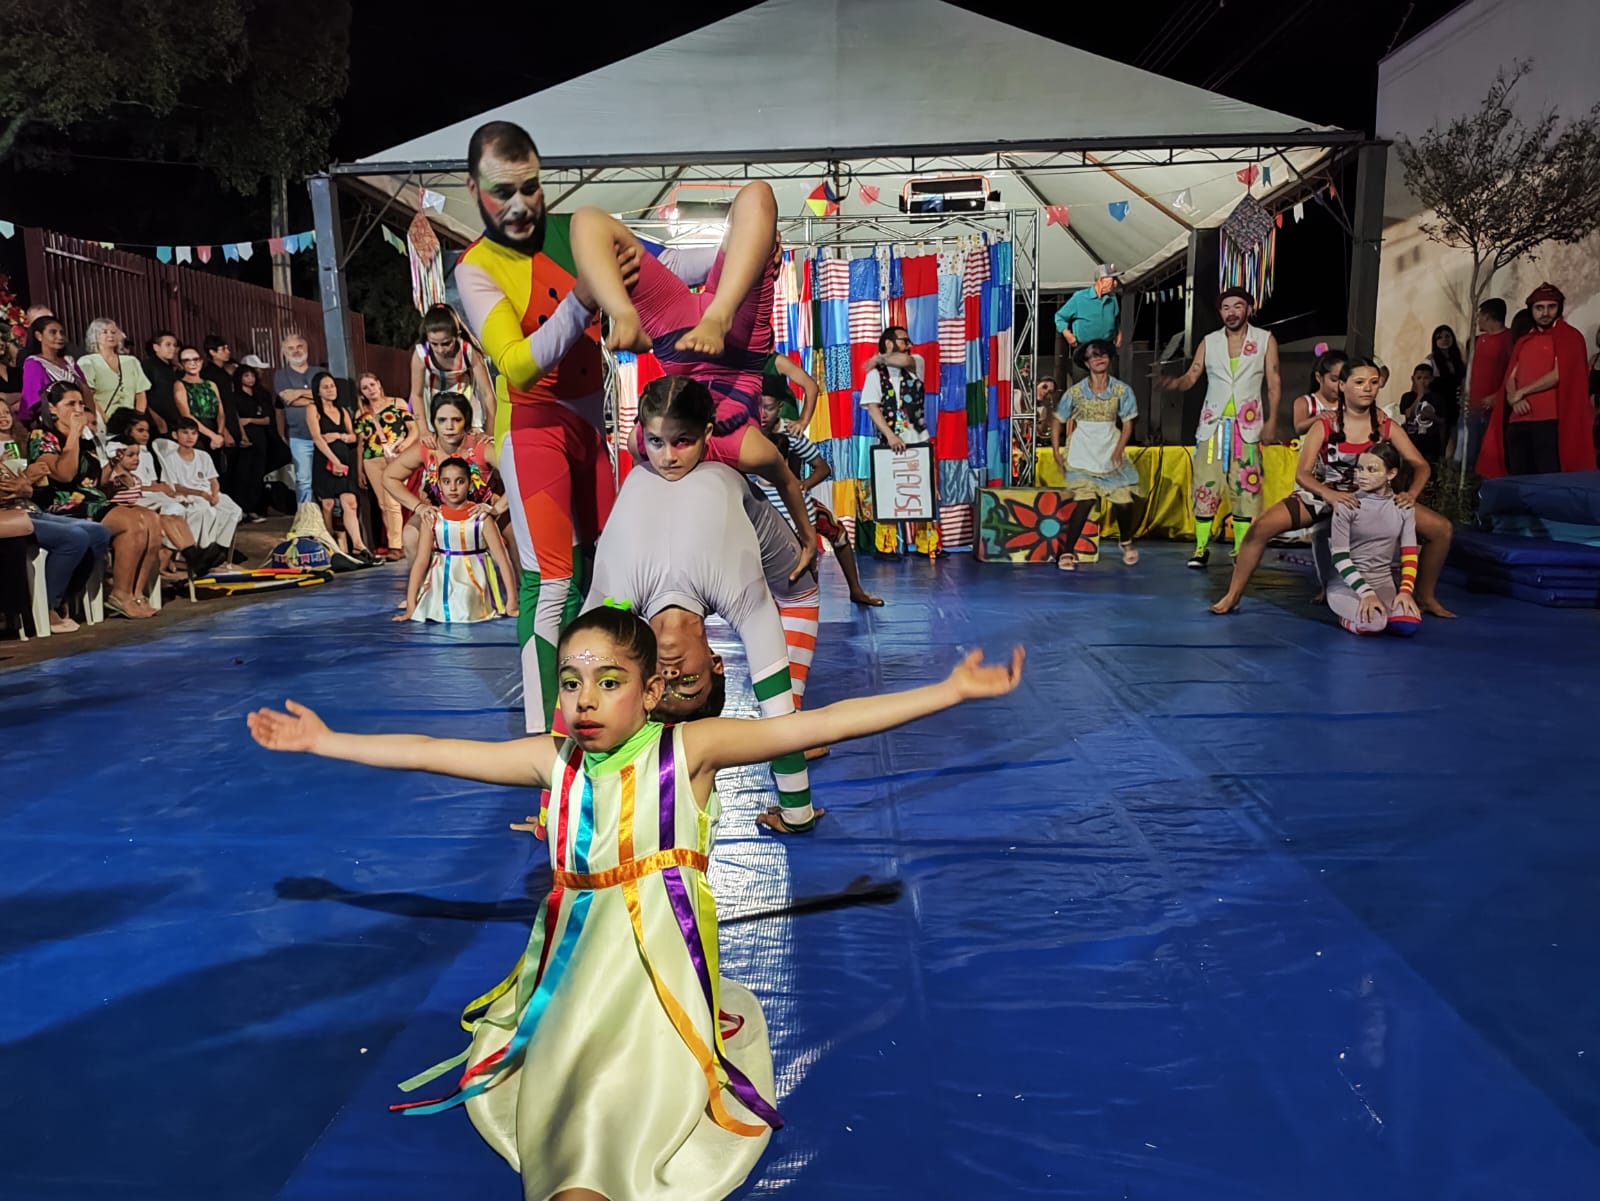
{"points": [[522, 761], [715, 743]]}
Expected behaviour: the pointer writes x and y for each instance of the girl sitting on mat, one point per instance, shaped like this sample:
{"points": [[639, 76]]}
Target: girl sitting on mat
{"points": [[618, 988], [1364, 540], [1325, 479], [465, 579]]}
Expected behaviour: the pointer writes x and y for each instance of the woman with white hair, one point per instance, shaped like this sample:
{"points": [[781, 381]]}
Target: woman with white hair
{"points": [[117, 380]]}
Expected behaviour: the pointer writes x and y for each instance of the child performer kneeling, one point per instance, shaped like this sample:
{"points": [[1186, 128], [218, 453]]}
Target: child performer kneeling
{"points": [[465, 578], [618, 989], [1365, 535]]}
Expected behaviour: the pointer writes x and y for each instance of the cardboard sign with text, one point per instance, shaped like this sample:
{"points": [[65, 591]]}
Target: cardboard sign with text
{"points": [[904, 484]]}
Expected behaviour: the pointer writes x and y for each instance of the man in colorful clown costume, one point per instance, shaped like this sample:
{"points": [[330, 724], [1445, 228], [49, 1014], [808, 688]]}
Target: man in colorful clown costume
{"points": [[1240, 363], [519, 295]]}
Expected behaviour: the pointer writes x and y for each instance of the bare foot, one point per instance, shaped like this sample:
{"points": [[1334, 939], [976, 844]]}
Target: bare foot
{"points": [[817, 752], [1225, 606], [708, 336], [865, 598], [1433, 608], [772, 819], [627, 334]]}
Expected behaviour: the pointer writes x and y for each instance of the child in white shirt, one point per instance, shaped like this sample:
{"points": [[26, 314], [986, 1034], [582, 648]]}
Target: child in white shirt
{"points": [[193, 476], [125, 481]]}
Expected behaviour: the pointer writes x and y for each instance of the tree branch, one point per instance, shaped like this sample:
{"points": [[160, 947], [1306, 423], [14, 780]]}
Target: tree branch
{"points": [[8, 136]]}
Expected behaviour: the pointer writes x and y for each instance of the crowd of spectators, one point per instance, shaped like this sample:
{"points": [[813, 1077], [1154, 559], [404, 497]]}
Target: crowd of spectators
{"points": [[131, 469]]}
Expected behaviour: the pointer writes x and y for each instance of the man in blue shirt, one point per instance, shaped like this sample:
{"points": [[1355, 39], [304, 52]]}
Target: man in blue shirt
{"points": [[1090, 314]]}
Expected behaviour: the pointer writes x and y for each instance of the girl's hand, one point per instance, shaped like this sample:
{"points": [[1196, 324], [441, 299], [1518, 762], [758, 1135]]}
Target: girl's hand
{"points": [[227, 439], [513, 608], [1405, 606], [974, 679], [1372, 608], [215, 440], [482, 510], [405, 614], [808, 556], [427, 514], [1061, 461], [1350, 500], [896, 443], [430, 441], [1404, 500], [297, 730], [1117, 459]]}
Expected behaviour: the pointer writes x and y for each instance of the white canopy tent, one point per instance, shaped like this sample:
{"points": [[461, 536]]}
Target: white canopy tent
{"points": [[877, 92]]}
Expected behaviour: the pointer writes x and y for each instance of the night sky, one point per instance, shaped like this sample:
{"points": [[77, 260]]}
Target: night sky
{"points": [[1315, 59]]}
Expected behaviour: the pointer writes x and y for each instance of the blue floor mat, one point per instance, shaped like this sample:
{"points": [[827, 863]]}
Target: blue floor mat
{"points": [[1211, 909]]}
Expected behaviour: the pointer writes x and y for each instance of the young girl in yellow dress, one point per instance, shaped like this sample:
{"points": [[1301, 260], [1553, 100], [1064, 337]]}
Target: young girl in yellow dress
{"points": [[598, 1068]]}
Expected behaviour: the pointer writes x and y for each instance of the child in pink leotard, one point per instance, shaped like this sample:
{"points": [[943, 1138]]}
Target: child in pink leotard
{"points": [[721, 336]]}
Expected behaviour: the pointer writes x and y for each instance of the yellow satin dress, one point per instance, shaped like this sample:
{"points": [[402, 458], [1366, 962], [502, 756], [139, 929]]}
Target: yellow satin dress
{"points": [[601, 1061]]}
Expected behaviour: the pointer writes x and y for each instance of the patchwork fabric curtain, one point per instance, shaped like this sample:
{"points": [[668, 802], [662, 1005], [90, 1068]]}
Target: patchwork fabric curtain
{"points": [[828, 312], [957, 306]]}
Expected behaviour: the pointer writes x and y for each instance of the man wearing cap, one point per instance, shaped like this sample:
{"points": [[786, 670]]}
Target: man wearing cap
{"points": [[1090, 313], [1543, 422]]}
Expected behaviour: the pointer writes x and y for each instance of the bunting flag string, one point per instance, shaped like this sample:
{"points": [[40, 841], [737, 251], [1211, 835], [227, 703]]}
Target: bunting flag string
{"points": [[232, 252], [1057, 214], [868, 193], [1118, 210]]}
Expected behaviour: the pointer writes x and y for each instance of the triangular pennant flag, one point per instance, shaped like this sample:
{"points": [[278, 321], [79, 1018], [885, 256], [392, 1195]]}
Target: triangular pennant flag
{"points": [[1057, 214], [1182, 202], [394, 240], [1248, 175], [275, 246], [1279, 220], [164, 253], [1300, 212], [307, 239], [1266, 176], [432, 200], [230, 253], [1118, 210], [203, 253], [183, 254], [292, 243], [106, 245], [869, 194], [245, 250], [7, 230]]}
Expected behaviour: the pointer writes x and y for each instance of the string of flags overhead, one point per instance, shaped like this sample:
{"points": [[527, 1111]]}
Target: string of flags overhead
{"points": [[231, 252]]}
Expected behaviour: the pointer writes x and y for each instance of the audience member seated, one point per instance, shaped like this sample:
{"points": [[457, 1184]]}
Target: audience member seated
{"points": [[192, 475], [134, 477], [72, 546]]}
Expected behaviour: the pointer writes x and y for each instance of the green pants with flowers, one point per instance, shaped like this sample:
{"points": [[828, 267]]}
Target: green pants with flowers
{"points": [[1225, 460]]}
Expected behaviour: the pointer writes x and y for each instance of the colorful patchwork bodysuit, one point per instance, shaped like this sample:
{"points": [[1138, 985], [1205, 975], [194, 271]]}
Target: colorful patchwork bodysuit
{"points": [[554, 460]]}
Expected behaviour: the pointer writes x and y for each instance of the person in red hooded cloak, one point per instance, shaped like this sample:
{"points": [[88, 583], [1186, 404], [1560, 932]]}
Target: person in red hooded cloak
{"points": [[1544, 421]]}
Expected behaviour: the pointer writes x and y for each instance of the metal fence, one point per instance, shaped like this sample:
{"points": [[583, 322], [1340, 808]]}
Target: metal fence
{"points": [[83, 280]]}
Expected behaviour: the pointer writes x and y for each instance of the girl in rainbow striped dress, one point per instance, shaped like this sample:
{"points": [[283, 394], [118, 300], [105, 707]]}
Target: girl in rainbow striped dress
{"points": [[464, 580], [599, 1068]]}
